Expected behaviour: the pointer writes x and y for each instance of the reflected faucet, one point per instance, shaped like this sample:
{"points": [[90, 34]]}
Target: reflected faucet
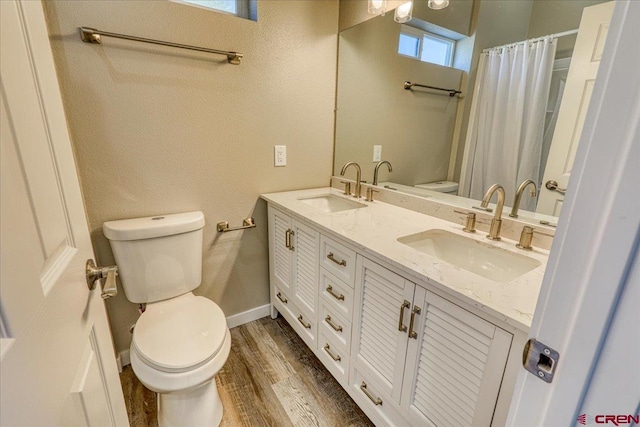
{"points": [[358, 190], [375, 171], [516, 201], [496, 222]]}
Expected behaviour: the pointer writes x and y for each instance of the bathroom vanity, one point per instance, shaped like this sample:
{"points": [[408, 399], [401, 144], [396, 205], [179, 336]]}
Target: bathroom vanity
{"points": [[421, 323]]}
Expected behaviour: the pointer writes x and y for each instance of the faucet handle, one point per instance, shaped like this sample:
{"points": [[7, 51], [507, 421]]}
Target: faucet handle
{"points": [[525, 238], [370, 192], [470, 224], [347, 187]]}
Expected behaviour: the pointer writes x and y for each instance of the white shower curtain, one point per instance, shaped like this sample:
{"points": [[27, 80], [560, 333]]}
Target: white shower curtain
{"points": [[510, 114]]}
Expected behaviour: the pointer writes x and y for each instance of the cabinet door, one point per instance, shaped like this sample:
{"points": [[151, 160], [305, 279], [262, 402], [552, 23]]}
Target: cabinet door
{"points": [[280, 254], [454, 366], [380, 342], [306, 249]]}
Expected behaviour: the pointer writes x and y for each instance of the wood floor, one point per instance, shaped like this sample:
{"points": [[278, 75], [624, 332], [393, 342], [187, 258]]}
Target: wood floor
{"points": [[270, 379]]}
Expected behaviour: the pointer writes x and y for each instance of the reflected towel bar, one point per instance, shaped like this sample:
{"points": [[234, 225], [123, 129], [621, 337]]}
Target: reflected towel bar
{"points": [[91, 35], [452, 92]]}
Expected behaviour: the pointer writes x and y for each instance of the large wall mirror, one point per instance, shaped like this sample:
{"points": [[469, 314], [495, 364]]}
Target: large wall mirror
{"points": [[423, 133]]}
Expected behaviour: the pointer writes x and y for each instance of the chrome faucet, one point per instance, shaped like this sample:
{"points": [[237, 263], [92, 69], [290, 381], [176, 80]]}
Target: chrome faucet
{"points": [[516, 201], [358, 190], [496, 222], [375, 171]]}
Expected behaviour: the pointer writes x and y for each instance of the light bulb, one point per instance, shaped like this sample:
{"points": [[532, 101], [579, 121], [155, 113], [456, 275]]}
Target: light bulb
{"points": [[403, 12], [377, 7], [438, 4]]}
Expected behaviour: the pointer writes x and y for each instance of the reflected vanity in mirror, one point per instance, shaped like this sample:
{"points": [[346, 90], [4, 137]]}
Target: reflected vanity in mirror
{"points": [[425, 133]]}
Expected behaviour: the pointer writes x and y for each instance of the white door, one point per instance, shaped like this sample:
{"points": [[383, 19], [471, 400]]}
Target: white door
{"points": [[57, 360], [575, 101], [591, 278]]}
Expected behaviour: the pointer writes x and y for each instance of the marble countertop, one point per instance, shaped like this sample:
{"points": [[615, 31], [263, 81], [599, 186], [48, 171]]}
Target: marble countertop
{"points": [[374, 231]]}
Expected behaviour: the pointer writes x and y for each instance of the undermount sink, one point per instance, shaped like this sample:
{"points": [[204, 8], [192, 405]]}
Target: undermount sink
{"points": [[468, 254], [330, 203]]}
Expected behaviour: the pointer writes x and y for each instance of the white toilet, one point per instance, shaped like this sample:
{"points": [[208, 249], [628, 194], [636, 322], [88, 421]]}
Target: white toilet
{"points": [[181, 341], [448, 187]]}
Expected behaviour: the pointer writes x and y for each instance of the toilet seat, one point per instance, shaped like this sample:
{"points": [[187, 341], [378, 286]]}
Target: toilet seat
{"points": [[179, 334]]}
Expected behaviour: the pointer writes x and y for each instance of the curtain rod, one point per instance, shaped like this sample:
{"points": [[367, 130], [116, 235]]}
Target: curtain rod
{"points": [[534, 40], [91, 35]]}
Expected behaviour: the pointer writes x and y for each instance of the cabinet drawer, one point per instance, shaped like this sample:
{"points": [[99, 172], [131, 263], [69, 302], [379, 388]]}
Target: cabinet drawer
{"points": [[338, 259], [281, 301], [335, 327], [334, 358], [304, 326], [336, 294], [376, 404]]}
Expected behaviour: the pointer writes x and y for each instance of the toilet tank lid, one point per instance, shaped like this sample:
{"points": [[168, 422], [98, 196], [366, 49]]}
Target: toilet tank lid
{"points": [[441, 186], [153, 226]]}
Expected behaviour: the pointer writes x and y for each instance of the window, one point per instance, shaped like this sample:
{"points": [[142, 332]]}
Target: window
{"points": [[241, 8], [425, 46]]}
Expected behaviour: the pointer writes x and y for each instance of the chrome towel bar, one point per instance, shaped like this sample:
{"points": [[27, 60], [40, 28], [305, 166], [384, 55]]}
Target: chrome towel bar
{"points": [[452, 92], [91, 35]]}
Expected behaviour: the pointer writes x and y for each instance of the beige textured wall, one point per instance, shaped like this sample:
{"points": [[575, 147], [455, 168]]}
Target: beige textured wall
{"points": [[415, 128], [158, 130], [555, 16]]}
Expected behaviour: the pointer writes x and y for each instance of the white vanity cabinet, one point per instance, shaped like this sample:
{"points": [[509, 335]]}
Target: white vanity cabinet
{"points": [[407, 356], [419, 356], [293, 264]]}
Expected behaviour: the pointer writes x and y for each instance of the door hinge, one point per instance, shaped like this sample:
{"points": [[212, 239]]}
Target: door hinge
{"points": [[540, 359]]}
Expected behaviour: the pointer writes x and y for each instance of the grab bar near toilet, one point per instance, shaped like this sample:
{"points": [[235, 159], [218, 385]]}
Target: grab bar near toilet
{"points": [[223, 226]]}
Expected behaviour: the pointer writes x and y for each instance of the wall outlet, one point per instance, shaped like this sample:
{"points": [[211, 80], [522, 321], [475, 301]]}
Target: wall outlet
{"points": [[280, 155], [377, 153]]}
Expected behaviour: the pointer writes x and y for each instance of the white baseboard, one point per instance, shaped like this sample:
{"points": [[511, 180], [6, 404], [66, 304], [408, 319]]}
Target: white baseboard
{"points": [[123, 358], [248, 316]]}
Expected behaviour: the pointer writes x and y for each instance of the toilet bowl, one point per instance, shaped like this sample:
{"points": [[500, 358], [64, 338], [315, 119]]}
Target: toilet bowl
{"points": [[178, 347], [181, 341]]}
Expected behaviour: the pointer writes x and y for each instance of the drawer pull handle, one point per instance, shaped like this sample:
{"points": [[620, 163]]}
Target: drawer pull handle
{"points": [[339, 297], [416, 310], [401, 327], [327, 348], [306, 325], [335, 327], [376, 400], [332, 258], [284, 300]]}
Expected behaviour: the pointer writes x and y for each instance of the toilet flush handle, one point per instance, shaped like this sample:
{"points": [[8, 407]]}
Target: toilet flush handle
{"points": [[96, 273]]}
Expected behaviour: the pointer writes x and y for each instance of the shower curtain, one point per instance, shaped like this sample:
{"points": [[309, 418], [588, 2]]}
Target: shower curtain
{"points": [[508, 131]]}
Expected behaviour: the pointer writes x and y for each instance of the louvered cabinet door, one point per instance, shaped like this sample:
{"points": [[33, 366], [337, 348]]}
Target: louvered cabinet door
{"points": [[454, 366], [306, 249], [280, 255], [379, 346]]}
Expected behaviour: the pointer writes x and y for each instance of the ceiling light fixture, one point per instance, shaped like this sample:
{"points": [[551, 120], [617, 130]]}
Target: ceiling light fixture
{"points": [[403, 12], [438, 4], [377, 7]]}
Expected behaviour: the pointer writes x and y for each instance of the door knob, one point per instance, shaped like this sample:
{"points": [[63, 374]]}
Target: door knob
{"points": [[96, 273], [553, 186]]}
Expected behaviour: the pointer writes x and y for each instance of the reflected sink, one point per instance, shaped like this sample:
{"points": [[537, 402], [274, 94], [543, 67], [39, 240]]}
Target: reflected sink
{"points": [[330, 203], [476, 257]]}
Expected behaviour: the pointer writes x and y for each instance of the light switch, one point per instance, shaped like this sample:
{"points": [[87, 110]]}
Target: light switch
{"points": [[377, 153], [280, 155]]}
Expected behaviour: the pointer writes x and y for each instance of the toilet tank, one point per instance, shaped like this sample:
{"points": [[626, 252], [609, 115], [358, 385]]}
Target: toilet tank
{"points": [[158, 257]]}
